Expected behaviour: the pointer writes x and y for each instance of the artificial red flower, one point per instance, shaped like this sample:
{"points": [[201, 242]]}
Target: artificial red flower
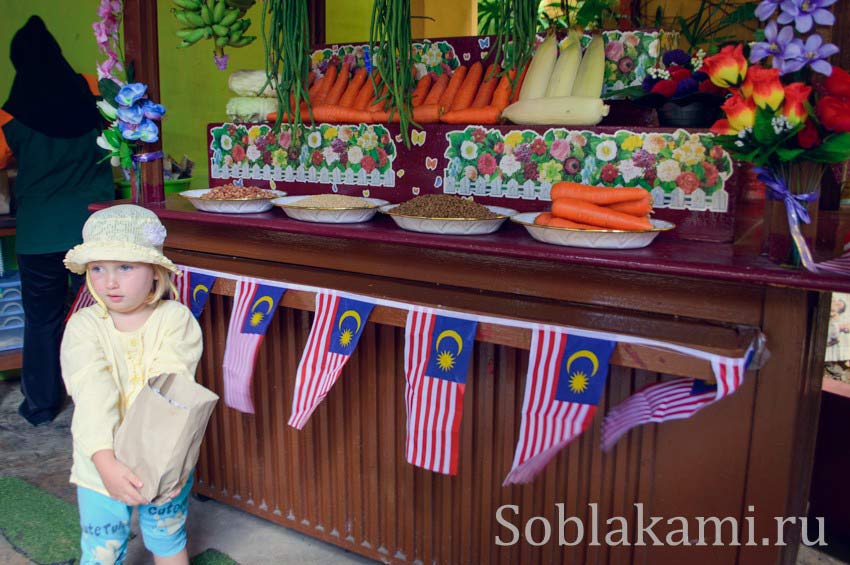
{"points": [[665, 88], [838, 83], [740, 112], [834, 113], [794, 109], [808, 136], [728, 67], [764, 86], [722, 127]]}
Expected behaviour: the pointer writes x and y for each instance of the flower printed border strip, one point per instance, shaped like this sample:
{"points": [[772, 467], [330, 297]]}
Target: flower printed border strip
{"points": [[348, 154], [438, 57], [681, 170]]}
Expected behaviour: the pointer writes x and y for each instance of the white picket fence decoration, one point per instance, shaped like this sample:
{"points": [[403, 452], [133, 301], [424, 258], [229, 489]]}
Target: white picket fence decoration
{"points": [[304, 174]]}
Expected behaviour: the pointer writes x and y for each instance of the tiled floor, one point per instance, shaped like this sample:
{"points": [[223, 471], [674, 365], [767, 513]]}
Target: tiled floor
{"points": [[42, 456]]}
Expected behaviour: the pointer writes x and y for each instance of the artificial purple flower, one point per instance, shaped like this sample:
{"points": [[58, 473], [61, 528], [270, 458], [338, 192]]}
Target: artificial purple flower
{"points": [[780, 44], [815, 52], [684, 87], [805, 13], [129, 131], [152, 111], [148, 131], [129, 93], [676, 57], [648, 83], [100, 34], [131, 114], [766, 9]]}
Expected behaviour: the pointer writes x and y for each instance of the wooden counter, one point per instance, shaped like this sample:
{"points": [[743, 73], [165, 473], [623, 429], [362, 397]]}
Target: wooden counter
{"points": [[344, 479]]}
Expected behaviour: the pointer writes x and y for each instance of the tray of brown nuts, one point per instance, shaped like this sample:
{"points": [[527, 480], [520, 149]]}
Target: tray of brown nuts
{"points": [[447, 215], [232, 199]]}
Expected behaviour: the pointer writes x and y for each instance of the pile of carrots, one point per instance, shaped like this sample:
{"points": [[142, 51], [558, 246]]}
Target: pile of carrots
{"points": [[580, 206], [472, 95]]}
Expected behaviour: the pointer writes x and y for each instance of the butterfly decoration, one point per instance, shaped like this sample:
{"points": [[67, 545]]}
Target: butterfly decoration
{"points": [[484, 42], [366, 194], [399, 173], [418, 137], [466, 56], [334, 188], [438, 182], [430, 163], [415, 191]]}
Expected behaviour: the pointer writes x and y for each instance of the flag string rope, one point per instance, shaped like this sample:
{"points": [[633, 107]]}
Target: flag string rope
{"points": [[509, 322]]}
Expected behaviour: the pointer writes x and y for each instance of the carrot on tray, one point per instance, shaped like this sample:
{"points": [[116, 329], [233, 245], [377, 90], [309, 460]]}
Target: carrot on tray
{"points": [[543, 218], [426, 114], [556, 222], [421, 90], [327, 84], [367, 91], [502, 94], [339, 86], [515, 93], [488, 86], [353, 88], [336, 114], [468, 88], [451, 89], [633, 207], [315, 87], [437, 90], [596, 194], [483, 115], [585, 212]]}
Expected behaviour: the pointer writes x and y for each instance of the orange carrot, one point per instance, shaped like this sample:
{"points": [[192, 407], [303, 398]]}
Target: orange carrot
{"points": [[314, 88], [311, 76], [421, 91], [502, 94], [367, 91], [336, 114], [353, 88], [451, 89], [426, 114], [437, 90], [562, 223], [483, 115], [377, 106], [340, 84], [596, 194], [515, 95], [587, 213], [383, 117], [543, 219], [327, 84], [469, 87], [487, 88], [633, 207]]}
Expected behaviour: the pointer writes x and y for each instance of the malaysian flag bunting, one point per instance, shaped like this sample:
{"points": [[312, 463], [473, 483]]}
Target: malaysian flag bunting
{"points": [[84, 299], [193, 289], [337, 327], [254, 306], [437, 354], [673, 400], [565, 380]]}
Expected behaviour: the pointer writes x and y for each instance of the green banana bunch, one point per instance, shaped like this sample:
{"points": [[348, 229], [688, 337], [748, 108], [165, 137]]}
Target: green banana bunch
{"points": [[219, 20]]}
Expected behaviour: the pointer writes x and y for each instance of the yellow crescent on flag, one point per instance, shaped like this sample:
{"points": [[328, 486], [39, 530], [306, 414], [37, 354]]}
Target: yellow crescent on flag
{"points": [[266, 299], [350, 314], [452, 334], [587, 355], [197, 288]]}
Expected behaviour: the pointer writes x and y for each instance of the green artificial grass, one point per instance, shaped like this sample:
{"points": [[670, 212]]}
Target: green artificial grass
{"points": [[46, 529], [43, 527], [212, 557]]}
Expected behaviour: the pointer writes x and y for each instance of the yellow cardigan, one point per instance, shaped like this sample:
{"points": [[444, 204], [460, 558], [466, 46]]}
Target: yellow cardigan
{"points": [[104, 370]]}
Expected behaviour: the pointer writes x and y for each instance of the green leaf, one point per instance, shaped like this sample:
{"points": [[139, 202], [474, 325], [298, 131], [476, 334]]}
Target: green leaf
{"points": [[108, 90], [789, 154], [834, 148], [763, 129]]}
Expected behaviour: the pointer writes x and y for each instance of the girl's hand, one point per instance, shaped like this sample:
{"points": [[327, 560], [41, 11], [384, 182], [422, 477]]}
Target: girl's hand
{"points": [[119, 480], [172, 494]]}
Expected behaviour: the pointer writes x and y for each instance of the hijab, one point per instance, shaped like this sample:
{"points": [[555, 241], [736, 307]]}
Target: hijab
{"points": [[47, 94]]}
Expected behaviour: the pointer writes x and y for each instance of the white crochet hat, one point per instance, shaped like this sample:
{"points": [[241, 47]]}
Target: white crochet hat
{"points": [[120, 233]]}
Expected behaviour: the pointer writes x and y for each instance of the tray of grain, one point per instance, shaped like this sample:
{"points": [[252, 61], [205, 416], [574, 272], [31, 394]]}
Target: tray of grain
{"points": [[447, 215], [329, 208], [232, 199]]}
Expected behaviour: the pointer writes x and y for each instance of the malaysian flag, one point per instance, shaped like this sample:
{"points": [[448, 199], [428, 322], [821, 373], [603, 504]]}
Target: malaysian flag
{"points": [[437, 354], [337, 327], [254, 306], [84, 299], [193, 289], [673, 400], [565, 380]]}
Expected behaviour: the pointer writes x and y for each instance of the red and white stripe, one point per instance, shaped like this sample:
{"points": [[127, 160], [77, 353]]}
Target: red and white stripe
{"points": [[671, 400], [319, 368], [84, 299], [240, 350], [434, 406], [547, 424], [183, 287]]}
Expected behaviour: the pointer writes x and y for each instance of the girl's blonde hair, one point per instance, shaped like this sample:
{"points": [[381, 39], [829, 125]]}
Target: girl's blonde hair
{"points": [[162, 285]]}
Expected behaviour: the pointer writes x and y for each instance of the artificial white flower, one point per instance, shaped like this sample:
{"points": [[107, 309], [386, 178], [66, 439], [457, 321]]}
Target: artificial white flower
{"points": [[629, 170], [226, 142], [368, 139], [509, 165], [155, 233], [668, 170], [253, 153], [607, 150], [330, 155], [469, 150], [314, 139], [355, 155]]}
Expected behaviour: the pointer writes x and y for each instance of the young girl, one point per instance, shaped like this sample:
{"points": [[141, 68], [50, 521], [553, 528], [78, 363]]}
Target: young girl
{"points": [[109, 351]]}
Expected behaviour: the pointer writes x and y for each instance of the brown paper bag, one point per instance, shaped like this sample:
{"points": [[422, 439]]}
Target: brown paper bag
{"points": [[161, 434]]}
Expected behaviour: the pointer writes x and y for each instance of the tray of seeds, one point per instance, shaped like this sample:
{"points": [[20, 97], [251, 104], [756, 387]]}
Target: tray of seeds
{"points": [[448, 215], [329, 208], [232, 199]]}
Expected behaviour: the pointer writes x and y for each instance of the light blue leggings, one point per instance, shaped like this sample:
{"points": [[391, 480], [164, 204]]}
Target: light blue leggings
{"points": [[106, 526]]}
